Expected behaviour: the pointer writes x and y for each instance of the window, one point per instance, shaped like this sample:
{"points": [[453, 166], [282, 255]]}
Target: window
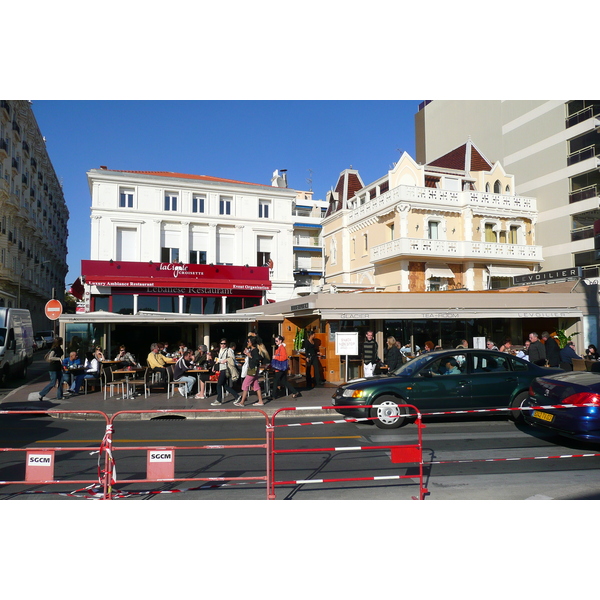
{"points": [[225, 205], [170, 201], [225, 247], [497, 187], [391, 231], [126, 199], [198, 203], [264, 246], [490, 234], [433, 228], [264, 209], [513, 234], [169, 255], [197, 257], [126, 244], [365, 243]]}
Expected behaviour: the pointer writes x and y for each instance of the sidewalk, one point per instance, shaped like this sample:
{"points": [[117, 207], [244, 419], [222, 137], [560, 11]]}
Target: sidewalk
{"points": [[26, 398]]}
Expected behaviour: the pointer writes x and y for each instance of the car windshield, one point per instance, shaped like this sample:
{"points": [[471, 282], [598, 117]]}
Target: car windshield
{"points": [[412, 366]]}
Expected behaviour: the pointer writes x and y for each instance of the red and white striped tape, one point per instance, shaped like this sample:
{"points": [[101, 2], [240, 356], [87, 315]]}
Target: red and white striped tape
{"points": [[473, 460]]}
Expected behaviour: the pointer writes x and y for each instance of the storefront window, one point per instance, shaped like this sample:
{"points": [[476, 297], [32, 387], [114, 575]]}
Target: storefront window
{"points": [[101, 303], [250, 302], [233, 304], [148, 303], [168, 304], [192, 305], [212, 305], [122, 305]]}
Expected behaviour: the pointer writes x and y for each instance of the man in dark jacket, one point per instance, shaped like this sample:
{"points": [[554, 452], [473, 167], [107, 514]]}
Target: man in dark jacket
{"points": [[369, 354], [537, 352], [552, 349]]}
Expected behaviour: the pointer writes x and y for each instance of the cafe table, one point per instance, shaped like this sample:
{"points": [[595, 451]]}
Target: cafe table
{"points": [[127, 373], [198, 375]]}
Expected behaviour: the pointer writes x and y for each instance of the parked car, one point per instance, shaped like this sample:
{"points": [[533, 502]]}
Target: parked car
{"points": [[48, 337], [572, 388], [16, 343], [39, 341], [445, 380]]}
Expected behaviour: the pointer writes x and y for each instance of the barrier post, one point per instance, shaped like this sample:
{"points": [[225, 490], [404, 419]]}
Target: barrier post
{"points": [[270, 435], [39, 466]]}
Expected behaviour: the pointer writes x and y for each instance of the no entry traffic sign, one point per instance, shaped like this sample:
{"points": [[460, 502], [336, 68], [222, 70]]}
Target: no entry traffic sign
{"points": [[53, 309]]}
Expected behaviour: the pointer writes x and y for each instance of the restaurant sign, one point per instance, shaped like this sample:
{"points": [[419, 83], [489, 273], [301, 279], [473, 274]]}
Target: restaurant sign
{"points": [[175, 275], [547, 276]]}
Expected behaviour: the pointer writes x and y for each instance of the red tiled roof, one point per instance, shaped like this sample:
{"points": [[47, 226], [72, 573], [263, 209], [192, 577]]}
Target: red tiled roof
{"points": [[186, 176], [457, 159]]}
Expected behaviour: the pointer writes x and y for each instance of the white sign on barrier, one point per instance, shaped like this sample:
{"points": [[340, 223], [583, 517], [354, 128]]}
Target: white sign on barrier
{"points": [[162, 456], [37, 460]]}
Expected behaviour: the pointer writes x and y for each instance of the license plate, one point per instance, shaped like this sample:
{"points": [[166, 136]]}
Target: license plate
{"points": [[538, 414]]}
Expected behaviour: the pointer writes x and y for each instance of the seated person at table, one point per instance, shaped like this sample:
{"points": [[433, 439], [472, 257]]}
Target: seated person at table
{"points": [[124, 358], [200, 356], [157, 362], [180, 369], [98, 353], [92, 368], [73, 362]]}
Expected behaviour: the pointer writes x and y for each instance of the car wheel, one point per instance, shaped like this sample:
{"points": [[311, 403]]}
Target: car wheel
{"points": [[4, 376], [24, 371], [386, 412], [517, 415]]}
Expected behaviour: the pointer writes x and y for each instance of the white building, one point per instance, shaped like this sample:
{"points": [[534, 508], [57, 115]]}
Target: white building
{"points": [[169, 217]]}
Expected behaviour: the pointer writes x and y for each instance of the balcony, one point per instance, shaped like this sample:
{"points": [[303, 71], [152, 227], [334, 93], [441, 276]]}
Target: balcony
{"points": [[583, 233], [581, 155], [308, 241], [582, 115], [3, 148], [454, 250], [26, 147], [304, 263], [5, 106], [591, 191], [435, 197], [16, 128]]}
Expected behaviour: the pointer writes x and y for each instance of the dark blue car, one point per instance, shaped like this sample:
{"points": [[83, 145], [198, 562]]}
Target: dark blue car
{"points": [[578, 392]]}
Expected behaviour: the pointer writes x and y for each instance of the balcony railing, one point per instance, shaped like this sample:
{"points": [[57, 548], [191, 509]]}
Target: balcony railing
{"points": [[307, 240], [583, 154], [308, 264], [440, 197], [583, 115], [590, 191], [582, 234], [457, 250]]}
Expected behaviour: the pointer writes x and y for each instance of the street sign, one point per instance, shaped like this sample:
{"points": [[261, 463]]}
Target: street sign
{"points": [[53, 309]]}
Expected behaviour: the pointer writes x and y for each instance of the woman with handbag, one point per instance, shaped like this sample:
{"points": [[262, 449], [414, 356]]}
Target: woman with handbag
{"points": [[251, 379], [222, 366], [279, 364], [55, 369]]}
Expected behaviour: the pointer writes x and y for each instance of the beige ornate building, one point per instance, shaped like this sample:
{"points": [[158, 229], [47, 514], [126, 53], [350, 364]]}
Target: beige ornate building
{"points": [[33, 216], [452, 224]]}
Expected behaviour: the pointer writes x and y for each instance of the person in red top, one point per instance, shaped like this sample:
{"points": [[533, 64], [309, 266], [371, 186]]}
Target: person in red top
{"points": [[279, 364]]}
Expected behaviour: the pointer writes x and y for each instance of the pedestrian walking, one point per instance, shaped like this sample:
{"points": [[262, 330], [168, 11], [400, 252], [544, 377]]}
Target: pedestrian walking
{"points": [[552, 350], [312, 362], [251, 379], [537, 352], [55, 369], [225, 354], [280, 366]]}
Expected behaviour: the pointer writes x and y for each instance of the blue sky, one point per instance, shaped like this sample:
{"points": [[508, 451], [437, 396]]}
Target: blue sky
{"points": [[245, 140]]}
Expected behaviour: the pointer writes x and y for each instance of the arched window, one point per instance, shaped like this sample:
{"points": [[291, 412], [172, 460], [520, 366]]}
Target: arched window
{"points": [[497, 187], [487, 187], [507, 190]]}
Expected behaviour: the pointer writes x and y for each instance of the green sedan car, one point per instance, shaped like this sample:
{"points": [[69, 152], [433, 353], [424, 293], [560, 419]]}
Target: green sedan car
{"points": [[463, 379]]}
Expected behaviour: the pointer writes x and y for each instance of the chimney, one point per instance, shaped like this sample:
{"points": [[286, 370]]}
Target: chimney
{"points": [[104, 167]]}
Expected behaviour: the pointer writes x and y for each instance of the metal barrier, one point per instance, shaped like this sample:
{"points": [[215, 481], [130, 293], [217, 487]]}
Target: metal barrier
{"points": [[400, 454], [40, 462], [160, 460]]}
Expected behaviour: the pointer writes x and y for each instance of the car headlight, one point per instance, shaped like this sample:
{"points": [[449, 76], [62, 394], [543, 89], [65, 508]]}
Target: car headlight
{"points": [[350, 393]]}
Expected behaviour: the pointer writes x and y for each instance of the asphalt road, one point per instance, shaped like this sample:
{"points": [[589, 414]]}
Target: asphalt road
{"points": [[465, 460]]}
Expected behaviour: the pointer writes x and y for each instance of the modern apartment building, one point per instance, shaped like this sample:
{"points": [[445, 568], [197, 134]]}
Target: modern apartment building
{"points": [[33, 216], [553, 149], [452, 224]]}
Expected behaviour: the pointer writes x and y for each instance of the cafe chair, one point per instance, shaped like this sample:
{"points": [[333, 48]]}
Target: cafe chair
{"points": [[173, 383], [94, 381], [111, 384], [142, 383]]}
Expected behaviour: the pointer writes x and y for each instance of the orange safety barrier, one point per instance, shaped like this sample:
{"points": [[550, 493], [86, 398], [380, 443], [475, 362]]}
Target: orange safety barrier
{"points": [[160, 460], [40, 462], [400, 454]]}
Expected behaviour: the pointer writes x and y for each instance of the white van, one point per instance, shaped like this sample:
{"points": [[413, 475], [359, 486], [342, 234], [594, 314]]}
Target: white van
{"points": [[16, 343]]}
